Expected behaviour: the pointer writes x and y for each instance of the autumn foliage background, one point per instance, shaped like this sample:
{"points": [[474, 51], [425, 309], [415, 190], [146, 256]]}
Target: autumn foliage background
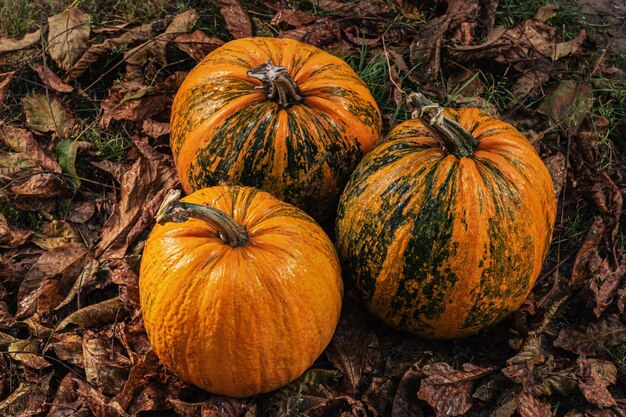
{"points": [[85, 95]]}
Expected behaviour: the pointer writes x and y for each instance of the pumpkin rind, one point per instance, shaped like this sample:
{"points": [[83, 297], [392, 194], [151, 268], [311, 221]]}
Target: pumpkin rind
{"points": [[225, 129], [443, 246], [240, 321]]}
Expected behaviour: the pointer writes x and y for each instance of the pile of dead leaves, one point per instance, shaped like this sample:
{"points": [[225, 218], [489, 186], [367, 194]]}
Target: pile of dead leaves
{"points": [[76, 212]]}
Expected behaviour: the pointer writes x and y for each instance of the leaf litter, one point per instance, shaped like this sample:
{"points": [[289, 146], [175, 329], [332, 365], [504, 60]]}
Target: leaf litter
{"points": [[71, 235]]}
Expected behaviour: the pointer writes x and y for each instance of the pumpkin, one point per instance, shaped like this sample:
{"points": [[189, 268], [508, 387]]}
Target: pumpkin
{"points": [[240, 292], [443, 228], [275, 114]]}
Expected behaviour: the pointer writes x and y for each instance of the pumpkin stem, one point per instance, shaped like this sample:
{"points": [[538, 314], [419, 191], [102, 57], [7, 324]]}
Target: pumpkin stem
{"points": [[277, 83], [454, 137], [173, 210]]}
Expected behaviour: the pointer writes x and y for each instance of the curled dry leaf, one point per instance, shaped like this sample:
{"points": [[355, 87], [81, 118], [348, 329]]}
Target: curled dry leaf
{"points": [[155, 48], [592, 385], [99, 405], [138, 377], [528, 356], [46, 282], [5, 80], [12, 45], [528, 405], [86, 282], [587, 251], [50, 79], [66, 402], [595, 339], [95, 315], [68, 33], [448, 391], [144, 186], [405, 403], [95, 52], [197, 44], [546, 12], [237, 20], [23, 142], [123, 275]]}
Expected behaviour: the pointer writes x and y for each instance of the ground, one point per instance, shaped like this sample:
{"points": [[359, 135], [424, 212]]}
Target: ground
{"points": [[85, 95]]}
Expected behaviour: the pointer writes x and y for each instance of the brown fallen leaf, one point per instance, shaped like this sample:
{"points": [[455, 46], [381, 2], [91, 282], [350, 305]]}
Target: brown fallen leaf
{"points": [[86, 282], [317, 34], [595, 339], [68, 347], [591, 384], [105, 369], [123, 275], [406, 403], [99, 405], [11, 237], [380, 394], [557, 168], [546, 12], [28, 399], [155, 129], [448, 391], [47, 280], [214, 407], [5, 80], [568, 104], [50, 79], [12, 45], [144, 186], [425, 48], [39, 185], [139, 375], [197, 44], [151, 397], [588, 250], [237, 20], [54, 234], [97, 51], [528, 405], [530, 83], [155, 48], [23, 142], [527, 357], [45, 115], [292, 17], [65, 402], [68, 33], [354, 349], [26, 352], [93, 316]]}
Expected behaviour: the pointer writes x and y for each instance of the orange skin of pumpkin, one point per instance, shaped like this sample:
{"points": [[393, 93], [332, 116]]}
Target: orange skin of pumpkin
{"points": [[305, 154], [475, 277], [239, 321]]}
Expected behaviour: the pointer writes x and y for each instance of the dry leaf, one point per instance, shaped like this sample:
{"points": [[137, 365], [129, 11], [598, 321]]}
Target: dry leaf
{"points": [[568, 104], [595, 339], [292, 17], [528, 405], [94, 315], [139, 376], [28, 399], [197, 44], [47, 115], [66, 402], [319, 33], [557, 168], [68, 347], [155, 129], [23, 142], [68, 33], [448, 391], [98, 404], [105, 370], [12, 45], [47, 280], [405, 403], [144, 186], [80, 211], [591, 384], [588, 250], [50, 79], [5, 80], [39, 185], [237, 20], [546, 12], [54, 234], [25, 351], [530, 83], [95, 52], [11, 237], [528, 356], [354, 349]]}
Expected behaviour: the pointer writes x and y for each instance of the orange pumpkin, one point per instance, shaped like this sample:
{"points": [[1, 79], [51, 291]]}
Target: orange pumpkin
{"points": [[443, 228], [240, 292], [275, 114]]}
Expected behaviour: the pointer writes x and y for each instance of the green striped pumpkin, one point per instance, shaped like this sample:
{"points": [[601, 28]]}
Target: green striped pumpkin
{"points": [[443, 228], [275, 114]]}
